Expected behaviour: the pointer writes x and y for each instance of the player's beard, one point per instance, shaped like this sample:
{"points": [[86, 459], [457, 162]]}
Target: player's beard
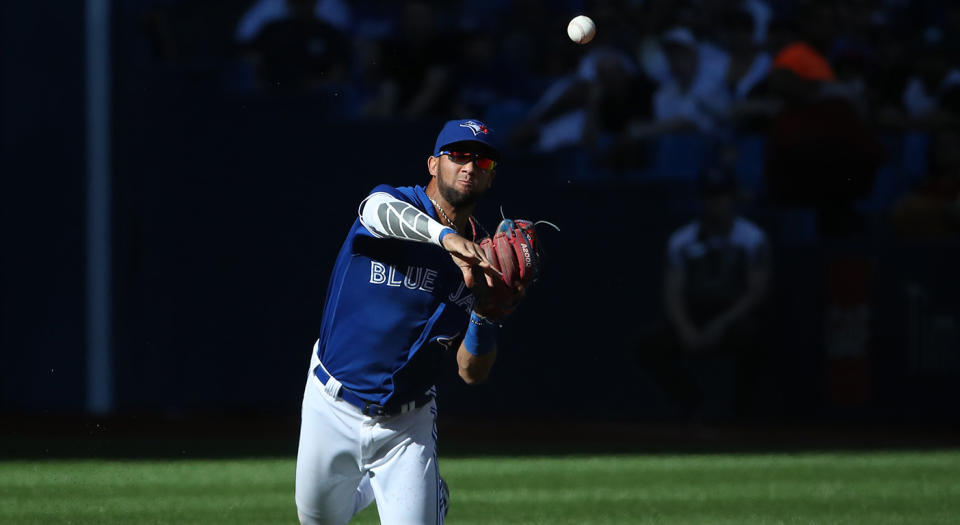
{"points": [[458, 198]]}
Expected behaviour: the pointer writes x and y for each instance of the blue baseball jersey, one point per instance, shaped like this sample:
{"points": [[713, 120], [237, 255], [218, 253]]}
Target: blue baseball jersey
{"points": [[391, 308]]}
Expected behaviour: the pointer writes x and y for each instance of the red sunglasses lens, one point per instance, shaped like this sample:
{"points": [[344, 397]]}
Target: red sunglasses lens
{"points": [[485, 164], [463, 158]]}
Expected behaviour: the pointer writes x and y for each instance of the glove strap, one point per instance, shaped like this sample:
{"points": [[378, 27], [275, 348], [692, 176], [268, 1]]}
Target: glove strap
{"points": [[481, 336]]}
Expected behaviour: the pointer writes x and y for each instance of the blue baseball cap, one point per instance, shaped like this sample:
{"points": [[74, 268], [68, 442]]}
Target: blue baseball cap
{"points": [[467, 130]]}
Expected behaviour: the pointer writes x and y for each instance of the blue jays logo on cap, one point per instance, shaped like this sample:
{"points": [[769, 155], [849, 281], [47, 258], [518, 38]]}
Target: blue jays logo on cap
{"points": [[466, 130], [476, 127]]}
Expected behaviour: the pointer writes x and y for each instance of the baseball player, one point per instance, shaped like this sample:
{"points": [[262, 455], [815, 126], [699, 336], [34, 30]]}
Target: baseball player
{"points": [[402, 291]]}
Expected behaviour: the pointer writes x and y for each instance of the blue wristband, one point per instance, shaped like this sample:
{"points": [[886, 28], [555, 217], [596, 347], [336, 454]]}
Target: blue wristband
{"points": [[443, 233], [481, 336]]}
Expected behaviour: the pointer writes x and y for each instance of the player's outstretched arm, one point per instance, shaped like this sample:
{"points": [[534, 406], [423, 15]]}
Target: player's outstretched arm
{"points": [[384, 215]]}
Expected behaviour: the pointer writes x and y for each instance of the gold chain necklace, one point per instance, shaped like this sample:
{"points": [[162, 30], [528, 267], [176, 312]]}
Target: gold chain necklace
{"points": [[443, 213]]}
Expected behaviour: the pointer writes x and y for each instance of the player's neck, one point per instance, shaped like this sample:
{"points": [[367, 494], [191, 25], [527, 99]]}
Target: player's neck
{"points": [[450, 215]]}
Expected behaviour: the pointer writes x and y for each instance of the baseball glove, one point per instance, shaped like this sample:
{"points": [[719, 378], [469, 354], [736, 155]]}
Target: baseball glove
{"points": [[515, 252]]}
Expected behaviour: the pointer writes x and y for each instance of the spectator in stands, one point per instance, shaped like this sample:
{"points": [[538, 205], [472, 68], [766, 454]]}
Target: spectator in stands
{"points": [[717, 272], [476, 74], [933, 209], [334, 12], [742, 32], [933, 81], [693, 94], [597, 101], [851, 61], [415, 69], [820, 152], [750, 63], [529, 44], [299, 52]]}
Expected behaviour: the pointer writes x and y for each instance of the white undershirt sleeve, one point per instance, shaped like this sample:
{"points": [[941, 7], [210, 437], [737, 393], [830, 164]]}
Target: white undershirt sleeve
{"points": [[384, 215]]}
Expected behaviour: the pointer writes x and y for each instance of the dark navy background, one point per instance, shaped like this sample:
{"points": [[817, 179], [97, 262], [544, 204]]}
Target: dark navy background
{"points": [[229, 211]]}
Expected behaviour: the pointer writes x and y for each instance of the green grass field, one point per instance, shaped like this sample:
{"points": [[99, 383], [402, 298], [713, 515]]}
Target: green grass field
{"points": [[862, 487]]}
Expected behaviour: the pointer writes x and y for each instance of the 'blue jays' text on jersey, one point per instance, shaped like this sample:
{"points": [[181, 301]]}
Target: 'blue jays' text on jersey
{"points": [[391, 307]]}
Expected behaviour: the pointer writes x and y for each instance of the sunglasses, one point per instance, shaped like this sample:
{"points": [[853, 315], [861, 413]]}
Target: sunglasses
{"points": [[484, 163]]}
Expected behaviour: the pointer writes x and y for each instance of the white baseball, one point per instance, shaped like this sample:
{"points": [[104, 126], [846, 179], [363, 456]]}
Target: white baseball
{"points": [[581, 29]]}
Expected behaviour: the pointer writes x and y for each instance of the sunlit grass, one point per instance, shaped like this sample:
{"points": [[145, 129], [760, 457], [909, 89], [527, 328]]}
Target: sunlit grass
{"points": [[862, 487]]}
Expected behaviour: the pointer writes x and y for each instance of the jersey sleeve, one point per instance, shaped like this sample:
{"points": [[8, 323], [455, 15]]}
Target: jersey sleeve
{"points": [[388, 212]]}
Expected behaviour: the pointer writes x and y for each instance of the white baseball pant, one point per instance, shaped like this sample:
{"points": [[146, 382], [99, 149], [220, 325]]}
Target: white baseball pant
{"points": [[340, 447]]}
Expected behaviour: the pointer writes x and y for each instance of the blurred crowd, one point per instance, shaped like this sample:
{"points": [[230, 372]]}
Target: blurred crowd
{"points": [[667, 87]]}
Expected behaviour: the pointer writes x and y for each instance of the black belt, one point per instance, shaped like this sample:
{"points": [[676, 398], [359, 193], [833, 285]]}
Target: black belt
{"points": [[374, 409]]}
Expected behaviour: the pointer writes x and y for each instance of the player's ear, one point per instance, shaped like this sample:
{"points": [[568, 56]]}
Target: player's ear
{"points": [[433, 165]]}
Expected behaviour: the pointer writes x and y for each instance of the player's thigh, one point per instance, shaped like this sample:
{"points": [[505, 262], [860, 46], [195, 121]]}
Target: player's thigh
{"points": [[406, 477], [328, 469]]}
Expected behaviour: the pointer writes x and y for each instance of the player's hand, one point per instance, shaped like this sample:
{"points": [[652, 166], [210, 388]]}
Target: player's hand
{"points": [[494, 305], [467, 255]]}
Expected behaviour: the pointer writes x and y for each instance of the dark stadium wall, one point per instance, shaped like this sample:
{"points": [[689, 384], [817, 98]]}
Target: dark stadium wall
{"points": [[229, 210], [42, 175]]}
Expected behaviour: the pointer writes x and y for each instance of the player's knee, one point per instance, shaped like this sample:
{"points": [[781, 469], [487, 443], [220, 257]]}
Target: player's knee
{"points": [[307, 520], [303, 519]]}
